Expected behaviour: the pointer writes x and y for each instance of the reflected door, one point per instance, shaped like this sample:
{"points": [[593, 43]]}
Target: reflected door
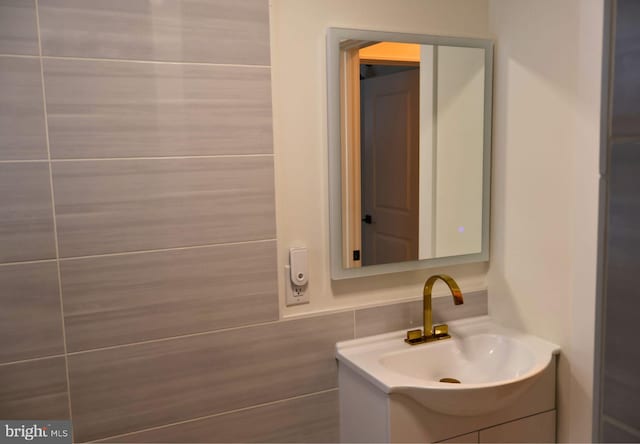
{"points": [[390, 167]]}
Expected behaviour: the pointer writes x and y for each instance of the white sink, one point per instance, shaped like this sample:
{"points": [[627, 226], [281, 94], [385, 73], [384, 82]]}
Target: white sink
{"points": [[493, 364]]}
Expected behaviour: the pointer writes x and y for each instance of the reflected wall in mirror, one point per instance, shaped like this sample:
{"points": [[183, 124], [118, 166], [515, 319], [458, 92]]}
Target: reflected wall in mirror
{"points": [[409, 135]]}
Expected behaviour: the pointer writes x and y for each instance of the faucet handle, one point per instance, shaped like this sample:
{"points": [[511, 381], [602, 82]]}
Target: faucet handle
{"points": [[414, 336], [441, 331]]}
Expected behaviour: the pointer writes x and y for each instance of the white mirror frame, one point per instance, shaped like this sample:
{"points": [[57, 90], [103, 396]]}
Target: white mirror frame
{"points": [[334, 37]]}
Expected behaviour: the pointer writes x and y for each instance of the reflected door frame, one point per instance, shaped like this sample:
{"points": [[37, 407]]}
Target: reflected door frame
{"points": [[351, 142]]}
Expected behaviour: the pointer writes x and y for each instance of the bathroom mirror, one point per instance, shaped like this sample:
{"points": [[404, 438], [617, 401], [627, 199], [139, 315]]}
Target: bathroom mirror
{"points": [[409, 120]]}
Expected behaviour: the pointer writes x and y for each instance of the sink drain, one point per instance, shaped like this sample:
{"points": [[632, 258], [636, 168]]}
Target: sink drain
{"points": [[450, 380]]}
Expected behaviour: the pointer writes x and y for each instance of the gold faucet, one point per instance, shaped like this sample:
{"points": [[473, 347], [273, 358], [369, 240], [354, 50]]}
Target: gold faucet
{"points": [[433, 332]]}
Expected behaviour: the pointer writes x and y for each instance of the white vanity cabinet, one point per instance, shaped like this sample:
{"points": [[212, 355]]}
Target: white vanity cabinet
{"points": [[367, 414], [467, 438], [536, 428], [394, 392]]}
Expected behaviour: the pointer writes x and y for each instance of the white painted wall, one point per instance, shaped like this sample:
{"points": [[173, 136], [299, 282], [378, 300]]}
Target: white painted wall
{"points": [[542, 272], [298, 35]]}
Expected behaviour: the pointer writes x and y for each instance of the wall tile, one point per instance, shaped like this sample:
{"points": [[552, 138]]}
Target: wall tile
{"points": [[34, 390], [21, 109], [444, 310], [613, 433], [215, 31], [626, 92], [113, 300], [100, 109], [26, 219], [30, 320], [377, 320], [183, 378], [128, 205], [310, 419], [620, 395], [621, 362], [387, 318], [18, 33]]}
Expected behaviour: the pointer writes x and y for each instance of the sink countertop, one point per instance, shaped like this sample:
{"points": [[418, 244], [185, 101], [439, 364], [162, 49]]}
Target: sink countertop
{"points": [[486, 355]]}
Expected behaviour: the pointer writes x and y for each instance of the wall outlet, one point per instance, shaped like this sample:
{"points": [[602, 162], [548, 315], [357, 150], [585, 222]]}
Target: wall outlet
{"points": [[295, 294]]}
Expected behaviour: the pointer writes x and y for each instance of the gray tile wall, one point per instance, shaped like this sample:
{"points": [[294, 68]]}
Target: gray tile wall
{"points": [[306, 419], [377, 320], [156, 109], [34, 390], [625, 118], [18, 34], [30, 324], [114, 300], [21, 109], [615, 431], [204, 374], [619, 385], [26, 217], [111, 206], [137, 230], [215, 31]]}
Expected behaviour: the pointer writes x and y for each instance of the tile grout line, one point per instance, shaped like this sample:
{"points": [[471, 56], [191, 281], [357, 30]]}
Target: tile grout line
{"points": [[20, 56], [212, 156], [103, 159], [53, 211], [163, 62], [25, 361], [37, 261], [24, 161], [203, 333], [115, 60], [624, 139], [130, 253], [228, 412], [160, 250], [177, 337], [621, 425]]}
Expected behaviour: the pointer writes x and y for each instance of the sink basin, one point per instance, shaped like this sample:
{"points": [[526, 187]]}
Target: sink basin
{"points": [[487, 366]]}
